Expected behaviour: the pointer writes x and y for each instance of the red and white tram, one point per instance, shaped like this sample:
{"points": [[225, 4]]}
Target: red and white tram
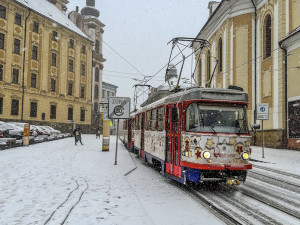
{"points": [[196, 135]]}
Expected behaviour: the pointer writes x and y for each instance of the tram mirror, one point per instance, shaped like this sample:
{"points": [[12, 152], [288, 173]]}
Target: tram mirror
{"points": [[174, 115], [255, 126]]}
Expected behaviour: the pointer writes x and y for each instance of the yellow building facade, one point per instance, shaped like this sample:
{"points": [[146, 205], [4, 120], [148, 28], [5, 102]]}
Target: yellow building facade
{"points": [[245, 50], [45, 66]]}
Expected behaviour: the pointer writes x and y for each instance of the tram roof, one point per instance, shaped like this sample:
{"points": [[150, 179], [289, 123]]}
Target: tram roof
{"points": [[218, 94]]}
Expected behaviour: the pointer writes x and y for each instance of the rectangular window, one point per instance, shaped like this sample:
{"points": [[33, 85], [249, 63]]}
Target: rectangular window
{"points": [[53, 112], [34, 52], [18, 19], [70, 113], [14, 107], [71, 65], [1, 105], [160, 119], [82, 114], [2, 40], [53, 59], [35, 27], [53, 85], [82, 92], [15, 76], [103, 94], [17, 45], [70, 88], [83, 49], [71, 44], [2, 12], [154, 119], [33, 109], [54, 36], [1, 72], [82, 69], [148, 120], [33, 80]]}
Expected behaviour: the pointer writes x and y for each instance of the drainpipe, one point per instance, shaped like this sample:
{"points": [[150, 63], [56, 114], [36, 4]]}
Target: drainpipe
{"points": [[285, 90], [255, 66], [24, 55]]}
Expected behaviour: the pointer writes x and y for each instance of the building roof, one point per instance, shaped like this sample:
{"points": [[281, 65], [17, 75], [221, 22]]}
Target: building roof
{"points": [[290, 36], [50, 11], [109, 85]]}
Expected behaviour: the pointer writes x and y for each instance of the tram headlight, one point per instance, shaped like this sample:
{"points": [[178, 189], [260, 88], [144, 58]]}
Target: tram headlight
{"points": [[206, 155], [245, 156]]}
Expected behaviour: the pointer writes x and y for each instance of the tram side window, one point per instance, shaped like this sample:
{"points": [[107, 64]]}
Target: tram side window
{"points": [[132, 124], [192, 121], [153, 119], [148, 120], [160, 119], [137, 121]]}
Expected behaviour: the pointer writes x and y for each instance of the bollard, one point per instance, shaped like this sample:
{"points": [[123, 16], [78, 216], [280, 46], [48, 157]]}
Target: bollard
{"points": [[106, 135]]}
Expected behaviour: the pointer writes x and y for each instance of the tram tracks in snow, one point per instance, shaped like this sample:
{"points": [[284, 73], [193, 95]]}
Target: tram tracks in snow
{"points": [[63, 211], [241, 206]]}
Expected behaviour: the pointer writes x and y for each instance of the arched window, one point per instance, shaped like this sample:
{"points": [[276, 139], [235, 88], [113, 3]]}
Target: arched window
{"points": [[220, 54], [96, 92], [97, 74], [199, 80], [208, 65], [267, 36], [97, 47]]}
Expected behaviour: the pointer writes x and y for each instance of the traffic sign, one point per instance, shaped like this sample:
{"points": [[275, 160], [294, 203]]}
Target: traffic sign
{"points": [[118, 108], [262, 111]]}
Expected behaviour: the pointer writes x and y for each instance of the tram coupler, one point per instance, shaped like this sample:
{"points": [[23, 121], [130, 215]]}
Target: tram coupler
{"points": [[232, 181]]}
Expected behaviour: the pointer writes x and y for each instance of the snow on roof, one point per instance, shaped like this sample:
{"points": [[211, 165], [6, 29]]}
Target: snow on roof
{"points": [[50, 11]]}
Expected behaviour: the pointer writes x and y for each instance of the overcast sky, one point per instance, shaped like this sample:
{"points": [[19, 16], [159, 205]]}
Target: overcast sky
{"points": [[139, 31]]}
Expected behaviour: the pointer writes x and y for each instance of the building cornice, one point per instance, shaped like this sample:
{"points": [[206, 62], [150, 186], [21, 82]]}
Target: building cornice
{"points": [[292, 39], [226, 10]]}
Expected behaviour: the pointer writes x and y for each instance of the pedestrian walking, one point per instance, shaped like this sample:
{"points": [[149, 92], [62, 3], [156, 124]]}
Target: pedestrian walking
{"points": [[98, 133], [77, 134]]}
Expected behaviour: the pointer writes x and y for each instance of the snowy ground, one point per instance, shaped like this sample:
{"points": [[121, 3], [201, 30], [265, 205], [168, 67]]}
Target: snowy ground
{"points": [[279, 159], [53, 182]]}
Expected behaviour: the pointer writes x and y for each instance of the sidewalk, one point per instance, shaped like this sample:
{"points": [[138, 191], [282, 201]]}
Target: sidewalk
{"points": [[280, 159]]}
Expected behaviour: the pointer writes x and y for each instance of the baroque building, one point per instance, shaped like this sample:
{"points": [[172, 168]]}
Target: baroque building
{"points": [[255, 44], [45, 65], [88, 21]]}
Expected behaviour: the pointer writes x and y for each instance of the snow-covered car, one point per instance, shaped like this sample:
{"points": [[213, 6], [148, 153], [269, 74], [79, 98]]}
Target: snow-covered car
{"points": [[13, 130], [52, 129], [39, 130], [32, 130], [52, 134]]}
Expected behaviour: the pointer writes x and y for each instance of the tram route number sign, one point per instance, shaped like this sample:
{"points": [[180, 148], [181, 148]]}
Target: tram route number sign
{"points": [[262, 111], [118, 108]]}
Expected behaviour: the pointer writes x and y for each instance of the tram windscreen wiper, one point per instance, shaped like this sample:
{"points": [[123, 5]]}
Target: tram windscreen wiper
{"points": [[202, 122]]}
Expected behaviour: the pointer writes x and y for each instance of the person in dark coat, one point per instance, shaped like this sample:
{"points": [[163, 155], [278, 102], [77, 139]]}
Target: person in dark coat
{"points": [[98, 133], [77, 134]]}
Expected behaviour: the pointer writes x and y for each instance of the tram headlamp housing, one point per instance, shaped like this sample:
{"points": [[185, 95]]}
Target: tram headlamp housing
{"points": [[206, 154], [245, 156]]}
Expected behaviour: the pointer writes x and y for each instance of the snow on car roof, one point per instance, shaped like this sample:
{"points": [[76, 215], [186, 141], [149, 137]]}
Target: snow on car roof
{"points": [[51, 12]]}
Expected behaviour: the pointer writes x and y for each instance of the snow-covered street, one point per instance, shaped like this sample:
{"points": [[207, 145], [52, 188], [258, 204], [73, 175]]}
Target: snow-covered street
{"points": [[53, 182]]}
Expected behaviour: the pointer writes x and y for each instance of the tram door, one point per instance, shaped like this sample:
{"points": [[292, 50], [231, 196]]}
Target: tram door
{"points": [[142, 135], [129, 134], [173, 141]]}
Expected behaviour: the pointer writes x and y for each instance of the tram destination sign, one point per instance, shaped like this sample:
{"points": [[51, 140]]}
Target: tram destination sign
{"points": [[262, 111], [118, 108]]}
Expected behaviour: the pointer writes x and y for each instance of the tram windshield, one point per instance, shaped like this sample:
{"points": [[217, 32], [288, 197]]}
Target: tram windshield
{"points": [[216, 119]]}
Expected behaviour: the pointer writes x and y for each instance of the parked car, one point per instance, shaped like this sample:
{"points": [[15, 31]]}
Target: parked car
{"points": [[13, 130], [32, 130]]}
